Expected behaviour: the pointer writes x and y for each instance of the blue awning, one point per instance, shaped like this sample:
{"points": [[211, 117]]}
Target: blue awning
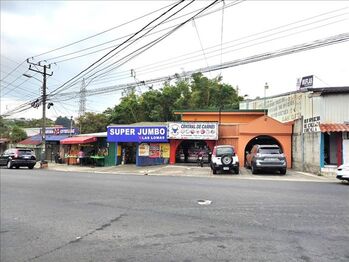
{"points": [[49, 137], [55, 137]]}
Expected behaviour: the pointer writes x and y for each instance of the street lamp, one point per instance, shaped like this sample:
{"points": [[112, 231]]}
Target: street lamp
{"points": [[30, 76], [265, 93]]}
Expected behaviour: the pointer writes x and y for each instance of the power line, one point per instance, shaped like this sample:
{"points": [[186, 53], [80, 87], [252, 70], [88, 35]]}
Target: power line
{"points": [[150, 44], [242, 63], [119, 38], [100, 33], [256, 58], [18, 66], [108, 53], [179, 58], [154, 67], [202, 47], [141, 49]]}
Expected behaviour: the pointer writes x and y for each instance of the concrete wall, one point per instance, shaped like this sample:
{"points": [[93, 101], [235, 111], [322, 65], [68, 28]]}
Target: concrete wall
{"points": [[305, 149]]}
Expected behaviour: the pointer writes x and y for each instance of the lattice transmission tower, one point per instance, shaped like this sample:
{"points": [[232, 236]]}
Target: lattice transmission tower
{"points": [[82, 102]]}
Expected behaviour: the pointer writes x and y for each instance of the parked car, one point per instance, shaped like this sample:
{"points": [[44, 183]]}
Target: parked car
{"points": [[17, 157], [266, 157], [343, 172], [224, 158]]}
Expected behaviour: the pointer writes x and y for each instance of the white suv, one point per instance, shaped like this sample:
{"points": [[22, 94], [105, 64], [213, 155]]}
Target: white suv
{"points": [[224, 158]]}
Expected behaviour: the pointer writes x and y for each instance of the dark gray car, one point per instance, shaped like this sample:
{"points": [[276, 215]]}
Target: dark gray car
{"points": [[17, 157], [266, 157]]}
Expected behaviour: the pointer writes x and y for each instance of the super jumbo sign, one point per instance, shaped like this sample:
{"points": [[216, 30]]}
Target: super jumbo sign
{"points": [[193, 130], [137, 134]]}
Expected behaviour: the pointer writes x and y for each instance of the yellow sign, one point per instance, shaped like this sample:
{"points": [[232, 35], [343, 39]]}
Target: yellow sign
{"points": [[165, 150]]}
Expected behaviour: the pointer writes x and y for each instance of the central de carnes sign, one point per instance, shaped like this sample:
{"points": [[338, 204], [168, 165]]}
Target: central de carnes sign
{"points": [[137, 134], [193, 130]]}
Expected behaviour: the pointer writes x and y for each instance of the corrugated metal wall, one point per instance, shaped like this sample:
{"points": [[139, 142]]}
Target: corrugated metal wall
{"points": [[335, 108]]}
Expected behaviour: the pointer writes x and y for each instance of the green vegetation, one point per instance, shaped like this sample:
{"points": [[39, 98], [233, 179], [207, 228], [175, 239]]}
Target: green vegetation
{"points": [[195, 93]]}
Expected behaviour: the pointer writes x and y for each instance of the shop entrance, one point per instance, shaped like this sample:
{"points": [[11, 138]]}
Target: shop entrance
{"points": [[188, 150], [333, 148], [128, 152], [261, 140]]}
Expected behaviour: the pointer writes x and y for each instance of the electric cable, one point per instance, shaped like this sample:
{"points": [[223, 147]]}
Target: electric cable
{"points": [[333, 42], [150, 44], [100, 33], [179, 58], [145, 46], [104, 56], [119, 38], [162, 66], [256, 58]]}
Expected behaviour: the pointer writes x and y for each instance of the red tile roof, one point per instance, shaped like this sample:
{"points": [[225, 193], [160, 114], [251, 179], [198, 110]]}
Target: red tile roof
{"points": [[334, 127], [30, 141]]}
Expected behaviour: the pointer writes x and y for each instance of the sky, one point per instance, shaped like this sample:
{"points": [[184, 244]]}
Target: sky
{"points": [[227, 31]]}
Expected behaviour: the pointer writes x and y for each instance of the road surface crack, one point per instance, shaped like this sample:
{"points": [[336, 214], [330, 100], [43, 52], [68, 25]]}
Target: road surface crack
{"points": [[79, 238]]}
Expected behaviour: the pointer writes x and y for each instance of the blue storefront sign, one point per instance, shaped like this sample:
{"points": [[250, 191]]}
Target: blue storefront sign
{"points": [[137, 134]]}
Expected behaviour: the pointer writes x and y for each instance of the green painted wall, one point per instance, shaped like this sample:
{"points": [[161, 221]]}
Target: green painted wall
{"points": [[110, 158]]}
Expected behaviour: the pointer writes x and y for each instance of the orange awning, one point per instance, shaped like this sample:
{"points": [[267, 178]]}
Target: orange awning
{"points": [[334, 128], [78, 140]]}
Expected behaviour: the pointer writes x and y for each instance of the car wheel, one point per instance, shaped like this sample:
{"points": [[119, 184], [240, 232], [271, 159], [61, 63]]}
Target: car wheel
{"points": [[283, 171], [9, 164], [17, 167], [31, 166], [254, 170]]}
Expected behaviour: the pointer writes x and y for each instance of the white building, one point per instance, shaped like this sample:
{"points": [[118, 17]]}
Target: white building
{"points": [[321, 124]]}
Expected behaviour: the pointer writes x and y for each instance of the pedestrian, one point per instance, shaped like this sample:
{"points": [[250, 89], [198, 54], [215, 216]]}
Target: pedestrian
{"points": [[81, 156]]}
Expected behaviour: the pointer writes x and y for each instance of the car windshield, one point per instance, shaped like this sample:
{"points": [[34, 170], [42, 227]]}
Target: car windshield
{"points": [[224, 151], [269, 151], [24, 152]]}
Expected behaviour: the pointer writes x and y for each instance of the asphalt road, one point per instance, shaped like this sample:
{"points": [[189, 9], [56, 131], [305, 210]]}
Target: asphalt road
{"points": [[61, 216]]}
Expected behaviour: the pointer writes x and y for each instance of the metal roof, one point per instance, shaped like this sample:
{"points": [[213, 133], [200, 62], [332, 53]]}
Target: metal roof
{"points": [[331, 90]]}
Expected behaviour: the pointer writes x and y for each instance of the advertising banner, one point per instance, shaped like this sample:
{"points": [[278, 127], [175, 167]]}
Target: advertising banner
{"points": [[137, 134], [60, 131], [143, 149], [311, 124], [154, 150], [307, 81], [193, 130], [165, 150]]}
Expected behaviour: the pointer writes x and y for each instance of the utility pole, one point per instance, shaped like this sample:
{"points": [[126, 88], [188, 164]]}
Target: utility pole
{"points": [[44, 74]]}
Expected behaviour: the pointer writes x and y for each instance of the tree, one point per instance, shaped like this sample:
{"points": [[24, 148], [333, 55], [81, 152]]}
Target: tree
{"points": [[17, 134], [128, 111], [4, 128], [92, 123], [63, 121], [195, 93]]}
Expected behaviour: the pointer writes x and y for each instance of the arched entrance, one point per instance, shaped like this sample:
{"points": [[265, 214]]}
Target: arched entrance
{"points": [[261, 140]]}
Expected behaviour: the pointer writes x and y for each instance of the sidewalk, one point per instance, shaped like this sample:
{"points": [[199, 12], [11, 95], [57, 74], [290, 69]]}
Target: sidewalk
{"points": [[188, 171]]}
